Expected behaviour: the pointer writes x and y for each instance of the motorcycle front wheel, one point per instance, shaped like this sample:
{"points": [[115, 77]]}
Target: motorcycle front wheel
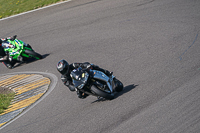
{"points": [[9, 64], [33, 54], [118, 85], [102, 93]]}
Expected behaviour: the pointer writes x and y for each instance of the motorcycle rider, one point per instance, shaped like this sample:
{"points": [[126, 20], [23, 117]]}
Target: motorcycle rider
{"points": [[6, 57], [65, 69]]}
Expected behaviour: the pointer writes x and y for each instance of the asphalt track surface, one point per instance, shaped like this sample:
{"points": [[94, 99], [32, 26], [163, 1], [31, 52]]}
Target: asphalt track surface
{"points": [[152, 46]]}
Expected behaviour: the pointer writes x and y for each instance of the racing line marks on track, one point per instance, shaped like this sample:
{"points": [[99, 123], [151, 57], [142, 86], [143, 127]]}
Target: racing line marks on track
{"points": [[189, 47], [28, 89]]}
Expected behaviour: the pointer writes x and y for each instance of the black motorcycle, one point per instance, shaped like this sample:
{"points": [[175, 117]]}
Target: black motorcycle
{"points": [[96, 83]]}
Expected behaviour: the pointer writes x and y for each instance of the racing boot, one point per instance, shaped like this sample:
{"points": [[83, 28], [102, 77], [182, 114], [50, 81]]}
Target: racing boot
{"points": [[6, 58], [81, 94]]}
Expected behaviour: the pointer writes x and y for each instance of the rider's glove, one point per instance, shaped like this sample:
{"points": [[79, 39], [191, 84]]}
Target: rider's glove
{"points": [[88, 66], [12, 38], [63, 78]]}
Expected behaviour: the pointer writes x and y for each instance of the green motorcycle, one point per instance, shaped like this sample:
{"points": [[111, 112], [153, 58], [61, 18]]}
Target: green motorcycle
{"points": [[18, 52]]}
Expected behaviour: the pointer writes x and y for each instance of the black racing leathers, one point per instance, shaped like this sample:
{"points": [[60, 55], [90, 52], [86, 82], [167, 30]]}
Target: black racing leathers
{"points": [[67, 80]]}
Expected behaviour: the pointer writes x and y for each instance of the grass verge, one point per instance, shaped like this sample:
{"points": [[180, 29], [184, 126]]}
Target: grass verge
{"points": [[5, 100], [12, 7]]}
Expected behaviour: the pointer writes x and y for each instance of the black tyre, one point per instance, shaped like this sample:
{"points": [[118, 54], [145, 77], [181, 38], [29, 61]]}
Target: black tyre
{"points": [[9, 64], [102, 93], [119, 86], [33, 54]]}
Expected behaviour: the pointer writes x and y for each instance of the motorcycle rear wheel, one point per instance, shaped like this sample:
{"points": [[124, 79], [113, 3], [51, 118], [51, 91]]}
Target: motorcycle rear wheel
{"points": [[102, 93], [9, 64], [33, 54]]}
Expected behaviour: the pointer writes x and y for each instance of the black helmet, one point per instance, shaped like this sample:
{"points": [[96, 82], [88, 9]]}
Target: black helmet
{"points": [[63, 67]]}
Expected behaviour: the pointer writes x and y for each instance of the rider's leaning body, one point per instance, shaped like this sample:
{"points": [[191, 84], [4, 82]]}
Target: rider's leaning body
{"points": [[11, 42], [6, 56], [65, 69]]}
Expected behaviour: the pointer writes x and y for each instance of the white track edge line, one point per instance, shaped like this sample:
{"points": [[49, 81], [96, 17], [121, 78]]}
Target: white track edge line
{"points": [[35, 10]]}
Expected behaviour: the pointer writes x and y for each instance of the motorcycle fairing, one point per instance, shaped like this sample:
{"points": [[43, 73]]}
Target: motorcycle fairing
{"points": [[102, 76]]}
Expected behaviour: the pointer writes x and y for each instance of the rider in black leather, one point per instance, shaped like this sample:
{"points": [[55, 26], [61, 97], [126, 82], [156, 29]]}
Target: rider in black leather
{"points": [[65, 69]]}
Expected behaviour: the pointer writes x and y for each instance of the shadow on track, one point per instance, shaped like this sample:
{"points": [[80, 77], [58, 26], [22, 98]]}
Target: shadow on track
{"points": [[125, 90]]}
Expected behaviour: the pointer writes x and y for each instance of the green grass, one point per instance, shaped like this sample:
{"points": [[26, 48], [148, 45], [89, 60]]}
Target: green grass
{"points": [[12, 7], [5, 100]]}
